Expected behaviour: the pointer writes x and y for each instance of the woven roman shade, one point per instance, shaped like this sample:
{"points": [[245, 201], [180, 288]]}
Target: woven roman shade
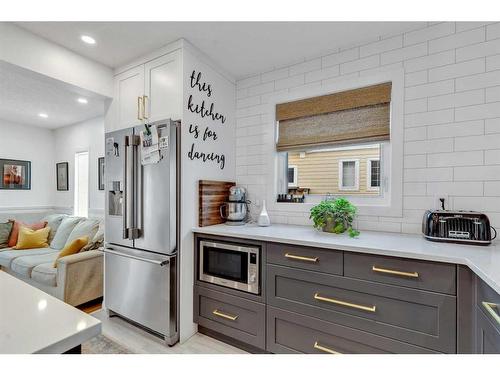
{"points": [[354, 116]]}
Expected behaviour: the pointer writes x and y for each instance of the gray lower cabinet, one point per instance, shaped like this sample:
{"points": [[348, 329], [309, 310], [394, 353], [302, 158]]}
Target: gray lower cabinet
{"points": [[235, 317], [487, 319], [413, 316], [292, 333]]}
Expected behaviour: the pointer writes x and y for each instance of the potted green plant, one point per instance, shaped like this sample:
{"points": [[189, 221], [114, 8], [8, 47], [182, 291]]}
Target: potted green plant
{"points": [[334, 216]]}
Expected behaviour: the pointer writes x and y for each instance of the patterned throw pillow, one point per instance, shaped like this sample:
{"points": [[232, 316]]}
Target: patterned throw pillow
{"points": [[5, 229]]}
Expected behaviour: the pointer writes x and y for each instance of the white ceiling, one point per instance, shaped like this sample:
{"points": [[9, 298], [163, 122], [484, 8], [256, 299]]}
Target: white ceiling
{"points": [[24, 94], [241, 48]]}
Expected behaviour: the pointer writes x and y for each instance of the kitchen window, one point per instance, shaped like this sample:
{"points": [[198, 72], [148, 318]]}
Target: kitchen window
{"points": [[335, 145]]}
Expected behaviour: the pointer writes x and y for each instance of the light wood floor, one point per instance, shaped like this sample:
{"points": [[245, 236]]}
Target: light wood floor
{"points": [[138, 341]]}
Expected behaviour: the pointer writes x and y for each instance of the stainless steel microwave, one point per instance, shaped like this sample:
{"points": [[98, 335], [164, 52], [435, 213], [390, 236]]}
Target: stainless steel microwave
{"points": [[233, 266]]}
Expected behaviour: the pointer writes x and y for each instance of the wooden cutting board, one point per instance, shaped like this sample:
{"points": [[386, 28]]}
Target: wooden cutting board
{"points": [[211, 195]]}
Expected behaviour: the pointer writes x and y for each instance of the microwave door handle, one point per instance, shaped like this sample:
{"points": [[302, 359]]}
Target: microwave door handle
{"points": [[125, 188]]}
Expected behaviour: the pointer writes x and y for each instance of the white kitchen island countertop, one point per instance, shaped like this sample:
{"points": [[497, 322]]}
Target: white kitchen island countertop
{"points": [[31, 321], [482, 260]]}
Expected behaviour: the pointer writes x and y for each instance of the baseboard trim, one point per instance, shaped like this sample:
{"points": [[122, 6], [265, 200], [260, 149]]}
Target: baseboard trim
{"points": [[229, 340]]}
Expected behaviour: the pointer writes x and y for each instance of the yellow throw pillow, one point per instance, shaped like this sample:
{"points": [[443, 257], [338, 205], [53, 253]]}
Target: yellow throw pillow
{"points": [[32, 239], [74, 247]]}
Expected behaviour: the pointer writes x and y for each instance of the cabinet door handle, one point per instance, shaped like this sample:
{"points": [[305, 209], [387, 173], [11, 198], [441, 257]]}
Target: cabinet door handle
{"points": [[299, 257], [346, 304], [325, 349], [139, 101], [144, 98], [394, 272], [225, 316], [490, 306]]}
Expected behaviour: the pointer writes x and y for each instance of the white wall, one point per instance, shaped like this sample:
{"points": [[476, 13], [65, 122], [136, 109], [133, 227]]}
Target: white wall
{"points": [[223, 97], [30, 51], [84, 136], [451, 117], [36, 145]]}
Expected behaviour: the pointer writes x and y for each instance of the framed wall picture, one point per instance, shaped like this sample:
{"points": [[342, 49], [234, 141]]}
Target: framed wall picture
{"points": [[16, 174], [100, 168], [62, 176]]}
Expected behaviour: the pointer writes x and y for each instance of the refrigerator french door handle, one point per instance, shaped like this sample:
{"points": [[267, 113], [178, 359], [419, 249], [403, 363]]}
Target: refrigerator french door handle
{"points": [[160, 263], [134, 231], [125, 188]]}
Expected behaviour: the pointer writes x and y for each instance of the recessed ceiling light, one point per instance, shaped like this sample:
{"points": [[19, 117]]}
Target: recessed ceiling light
{"points": [[43, 115], [82, 100], [88, 39]]}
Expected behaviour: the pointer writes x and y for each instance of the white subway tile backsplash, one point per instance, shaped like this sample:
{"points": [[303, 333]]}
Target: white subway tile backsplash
{"points": [[460, 99], [305, 67], [493, 31], [381, 46], [452, 125], [492, 126], [479, 142], [453, 159], [457, 40], [340, 57], [493, 94], [457, 70], [430, 89], [473, 112], [318, 75], [491, 47], [492, 189], [429, 61], [477, 173], [403, 53], [425, 34], [429, 118], [492, 156], [360, 64], [456, 129]]}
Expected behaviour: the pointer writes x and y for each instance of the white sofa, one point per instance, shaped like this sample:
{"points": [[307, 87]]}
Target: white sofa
{"points": [[78, 278]]}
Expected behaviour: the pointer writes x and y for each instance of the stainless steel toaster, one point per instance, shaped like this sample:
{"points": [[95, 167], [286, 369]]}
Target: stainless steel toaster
{"points": [[457, 226]]}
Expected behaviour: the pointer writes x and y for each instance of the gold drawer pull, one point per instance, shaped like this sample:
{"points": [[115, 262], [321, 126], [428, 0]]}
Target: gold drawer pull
{"points": [[225, 316], [299, 257], [347, 304], [324, 348], [394, 272], [139, 102], [489, 306]]}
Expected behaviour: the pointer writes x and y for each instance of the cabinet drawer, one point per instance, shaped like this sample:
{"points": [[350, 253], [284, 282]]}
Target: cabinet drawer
{"points": [[489, 302], [289, 332], [487, 335], [232, 316], [414, 316], [433, 276], [308, 258]]}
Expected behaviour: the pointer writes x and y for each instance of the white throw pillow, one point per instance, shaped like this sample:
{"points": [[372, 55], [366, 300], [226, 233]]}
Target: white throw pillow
{"points": [[86, 227], [63, 232]]}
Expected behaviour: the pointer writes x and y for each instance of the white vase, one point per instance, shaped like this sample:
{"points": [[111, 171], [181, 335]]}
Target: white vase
{"points": [[263, 219]]}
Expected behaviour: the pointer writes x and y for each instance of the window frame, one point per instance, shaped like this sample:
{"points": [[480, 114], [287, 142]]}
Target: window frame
{"points": [[295, 182], [369, 186], [342, 187], [391, 204]]}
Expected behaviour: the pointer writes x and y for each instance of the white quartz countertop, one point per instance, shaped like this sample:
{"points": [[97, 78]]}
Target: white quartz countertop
{"points": [[31, 321], [483, 260]]}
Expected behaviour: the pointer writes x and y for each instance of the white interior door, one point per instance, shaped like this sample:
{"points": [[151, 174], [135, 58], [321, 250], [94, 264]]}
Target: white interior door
{"points": [[129, 89], [163, 83]]}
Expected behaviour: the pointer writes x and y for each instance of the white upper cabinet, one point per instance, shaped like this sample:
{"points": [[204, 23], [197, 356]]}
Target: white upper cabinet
{"points": [[147, 93], [129, 89], [163, 87]]}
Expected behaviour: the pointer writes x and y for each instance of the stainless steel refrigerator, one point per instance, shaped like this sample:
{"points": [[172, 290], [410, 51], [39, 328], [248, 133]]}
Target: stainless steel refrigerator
{"points": [[140, 260]]}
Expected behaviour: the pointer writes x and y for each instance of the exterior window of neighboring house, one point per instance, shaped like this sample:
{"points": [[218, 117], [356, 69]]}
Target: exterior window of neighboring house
{"points": [[336, 144], [292, 176], [81, 198], [349, 175], [373, 174]]}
